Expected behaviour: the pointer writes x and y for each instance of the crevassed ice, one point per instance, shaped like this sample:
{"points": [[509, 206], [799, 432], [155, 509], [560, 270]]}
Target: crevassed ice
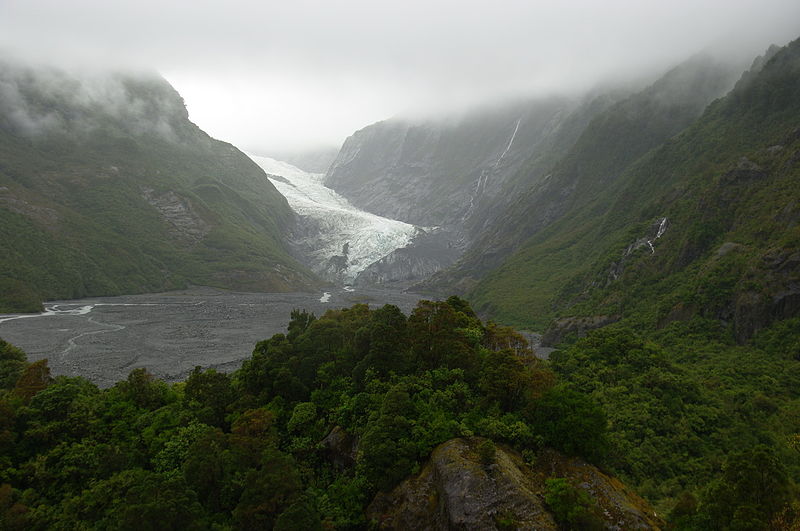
{"points": [[332, 222]]}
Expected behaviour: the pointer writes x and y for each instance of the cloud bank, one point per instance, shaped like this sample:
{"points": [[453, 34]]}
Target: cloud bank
{"points": [[278, 75]]}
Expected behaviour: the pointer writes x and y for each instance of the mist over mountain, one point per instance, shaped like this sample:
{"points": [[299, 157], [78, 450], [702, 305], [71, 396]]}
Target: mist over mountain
{"points": [[490, 178], [107, 188]]}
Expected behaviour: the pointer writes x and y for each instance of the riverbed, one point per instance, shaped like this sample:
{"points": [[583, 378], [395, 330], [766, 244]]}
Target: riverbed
{"points": [[104, 338]]}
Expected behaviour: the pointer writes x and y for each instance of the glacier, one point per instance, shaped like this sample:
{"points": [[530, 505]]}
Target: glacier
{"points": [[336, 239]]}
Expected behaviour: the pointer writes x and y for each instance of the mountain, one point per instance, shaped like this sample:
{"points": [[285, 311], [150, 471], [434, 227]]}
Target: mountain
{"points": [[490, 178], [440, 172], [614, 138], [106, 187], [658, 251], [713, 205], [448, 175]]}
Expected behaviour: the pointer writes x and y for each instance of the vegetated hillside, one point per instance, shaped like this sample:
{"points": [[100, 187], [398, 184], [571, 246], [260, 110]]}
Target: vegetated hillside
{"points": [[689, 261], [106, 187], [606, 146], [730, 177], [339, 423]]}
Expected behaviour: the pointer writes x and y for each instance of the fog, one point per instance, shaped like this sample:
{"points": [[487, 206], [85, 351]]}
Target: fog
{"points": [[275, 76], [38, 99]]}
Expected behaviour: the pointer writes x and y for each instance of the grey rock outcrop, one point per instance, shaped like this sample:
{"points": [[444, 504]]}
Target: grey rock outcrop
{"points": [[456, 490]]}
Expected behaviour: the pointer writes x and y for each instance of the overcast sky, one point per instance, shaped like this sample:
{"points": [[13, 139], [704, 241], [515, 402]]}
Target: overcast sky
{"points": [[274, 75]]}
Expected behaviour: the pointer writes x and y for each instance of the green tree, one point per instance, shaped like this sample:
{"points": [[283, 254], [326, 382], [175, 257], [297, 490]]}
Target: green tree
{"points": [[33, 379], [435, 331], [268, 491], [572, 507], [135, 500], [754, 487], [143, 389], [571, 422], [299, 322], [387, 451], [209, 393], [388, 341], [12, 364]]}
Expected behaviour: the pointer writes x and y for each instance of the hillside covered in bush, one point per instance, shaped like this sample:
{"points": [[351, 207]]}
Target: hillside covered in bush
{"points": [[342, 407]]}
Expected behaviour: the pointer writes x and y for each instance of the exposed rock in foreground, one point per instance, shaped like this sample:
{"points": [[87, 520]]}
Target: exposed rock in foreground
{"points": [[455, 490]]}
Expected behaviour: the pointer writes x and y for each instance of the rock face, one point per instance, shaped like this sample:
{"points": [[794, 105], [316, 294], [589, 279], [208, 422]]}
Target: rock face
{"points": [[456, 490], [179, 213], [341, 448], [442, 172], [754, 311], [453, 175], [429, 252]]}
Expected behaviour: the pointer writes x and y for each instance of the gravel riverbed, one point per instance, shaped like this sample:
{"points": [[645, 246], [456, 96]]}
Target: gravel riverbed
{"points": [[104, 338]]}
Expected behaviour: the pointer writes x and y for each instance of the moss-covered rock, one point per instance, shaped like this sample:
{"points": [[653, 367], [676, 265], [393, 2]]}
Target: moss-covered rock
{"points": [[456, 489]]}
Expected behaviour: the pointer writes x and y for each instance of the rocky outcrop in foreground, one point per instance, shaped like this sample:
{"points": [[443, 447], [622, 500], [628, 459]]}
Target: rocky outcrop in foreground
{"points": [[456, 489]]}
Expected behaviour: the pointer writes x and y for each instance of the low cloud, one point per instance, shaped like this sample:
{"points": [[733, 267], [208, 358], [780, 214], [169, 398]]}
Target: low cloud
{"points": [[276, 75], [37, 100]]}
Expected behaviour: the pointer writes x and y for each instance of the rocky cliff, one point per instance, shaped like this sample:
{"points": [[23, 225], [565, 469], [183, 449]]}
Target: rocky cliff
{"points": [[452, 175], [438, 172]]}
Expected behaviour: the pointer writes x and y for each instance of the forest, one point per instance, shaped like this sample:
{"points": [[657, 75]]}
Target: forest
{"points": [[252, 449]]}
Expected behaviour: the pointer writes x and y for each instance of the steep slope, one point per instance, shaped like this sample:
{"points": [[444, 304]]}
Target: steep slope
{"points": [[611, 142], [438, 172], [106, 187], [709, 195], [452, 175], [688, 260]]}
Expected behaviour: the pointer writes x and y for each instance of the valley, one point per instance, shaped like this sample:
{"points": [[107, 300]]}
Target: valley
{"points": [[105, 338], [285, 348]]}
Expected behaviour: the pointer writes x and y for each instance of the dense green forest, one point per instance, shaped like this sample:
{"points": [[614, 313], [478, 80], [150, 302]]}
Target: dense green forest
{"points": [[687, 258], [249, 449]]}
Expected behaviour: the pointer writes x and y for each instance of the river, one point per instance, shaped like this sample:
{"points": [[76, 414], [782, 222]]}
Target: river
{"points": [[104, 338]]}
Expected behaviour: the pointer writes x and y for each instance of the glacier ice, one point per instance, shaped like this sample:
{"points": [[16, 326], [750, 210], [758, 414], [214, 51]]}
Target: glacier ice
{"points": [[338, 239]]}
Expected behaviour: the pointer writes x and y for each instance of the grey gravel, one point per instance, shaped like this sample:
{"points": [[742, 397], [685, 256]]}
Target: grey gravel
{"points": [[171, 333]]}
